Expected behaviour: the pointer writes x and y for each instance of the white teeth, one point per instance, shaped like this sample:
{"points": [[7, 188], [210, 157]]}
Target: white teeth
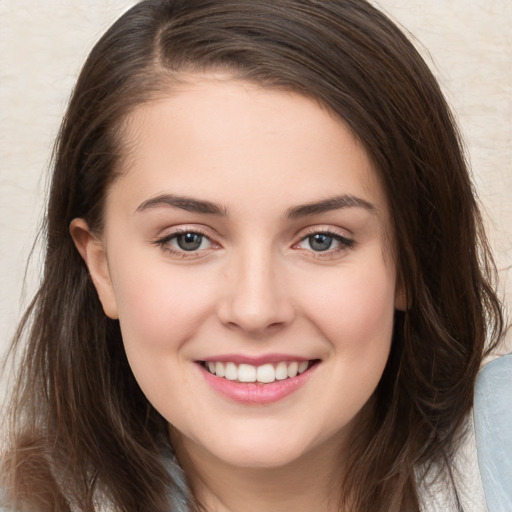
{"points": [[303, 367], [231, 371], [264, 374], [292, 369], [247, 373], [281, 371], [219, 370]]}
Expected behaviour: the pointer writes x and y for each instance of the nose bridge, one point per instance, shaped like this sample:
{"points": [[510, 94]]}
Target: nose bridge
{"points": [[257, 297]]}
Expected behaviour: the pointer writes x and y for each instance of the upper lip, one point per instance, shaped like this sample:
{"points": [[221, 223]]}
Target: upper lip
{"points": [[255, 360]]}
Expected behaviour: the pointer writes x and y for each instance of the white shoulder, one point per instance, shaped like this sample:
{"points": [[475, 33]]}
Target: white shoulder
{"points": [[436, 488]]}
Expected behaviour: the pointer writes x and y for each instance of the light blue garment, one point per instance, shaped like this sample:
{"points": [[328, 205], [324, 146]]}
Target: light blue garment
{"points": [[179, 496], [493, 430]]}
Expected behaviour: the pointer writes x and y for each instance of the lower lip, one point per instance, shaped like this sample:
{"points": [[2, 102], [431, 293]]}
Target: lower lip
{"points": [[253, 393]]}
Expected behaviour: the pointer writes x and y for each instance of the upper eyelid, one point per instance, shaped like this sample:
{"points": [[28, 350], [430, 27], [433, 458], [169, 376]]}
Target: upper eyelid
{"points": [[182, 229], [325, 229]]}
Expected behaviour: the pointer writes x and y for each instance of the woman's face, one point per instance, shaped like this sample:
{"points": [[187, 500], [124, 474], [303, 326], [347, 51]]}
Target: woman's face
{"points": [[247, 240]]}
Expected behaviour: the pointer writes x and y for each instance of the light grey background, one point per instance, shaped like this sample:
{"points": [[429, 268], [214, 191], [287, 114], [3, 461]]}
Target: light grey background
{"points": [[42, 47]]}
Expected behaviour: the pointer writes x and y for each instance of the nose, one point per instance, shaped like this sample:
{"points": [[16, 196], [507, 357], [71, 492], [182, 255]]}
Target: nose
{"points": [[257, 300]]}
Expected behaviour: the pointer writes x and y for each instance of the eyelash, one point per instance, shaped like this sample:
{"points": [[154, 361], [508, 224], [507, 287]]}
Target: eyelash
{"points": [[164, 244], [344, 242]]}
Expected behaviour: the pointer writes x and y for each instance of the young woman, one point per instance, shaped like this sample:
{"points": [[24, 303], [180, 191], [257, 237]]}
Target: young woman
{"points": [[266, 285]]}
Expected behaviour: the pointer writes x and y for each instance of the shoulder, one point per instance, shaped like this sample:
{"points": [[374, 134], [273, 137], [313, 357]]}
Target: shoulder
{"points": [[493, 429], [482, 469], [440, 488]]}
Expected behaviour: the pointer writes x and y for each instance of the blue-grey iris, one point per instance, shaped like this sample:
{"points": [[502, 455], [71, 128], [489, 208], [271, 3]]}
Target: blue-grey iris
{"points": [[189, 241], [320, 242]]}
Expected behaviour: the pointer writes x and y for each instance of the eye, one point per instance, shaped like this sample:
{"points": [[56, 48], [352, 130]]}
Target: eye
{"points": [[324, 241], [189, 241], [320, 242], [186, 243]]}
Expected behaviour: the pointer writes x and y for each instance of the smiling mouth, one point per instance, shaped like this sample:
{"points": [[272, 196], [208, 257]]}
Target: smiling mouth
{"points": [[263, 374]]}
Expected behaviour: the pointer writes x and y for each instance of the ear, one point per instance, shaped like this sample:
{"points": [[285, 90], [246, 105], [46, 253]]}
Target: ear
{"points": [[92, 250]]}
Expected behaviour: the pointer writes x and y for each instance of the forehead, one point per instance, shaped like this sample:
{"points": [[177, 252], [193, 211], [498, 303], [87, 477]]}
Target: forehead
{"points": [[212, 129]]}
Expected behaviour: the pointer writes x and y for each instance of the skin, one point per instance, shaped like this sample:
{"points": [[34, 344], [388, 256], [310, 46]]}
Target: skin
{"points": [[254, 287]]}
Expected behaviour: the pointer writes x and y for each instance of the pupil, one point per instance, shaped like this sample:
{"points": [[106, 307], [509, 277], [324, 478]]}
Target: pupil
{"points": [[189, 241], [320, 242]]}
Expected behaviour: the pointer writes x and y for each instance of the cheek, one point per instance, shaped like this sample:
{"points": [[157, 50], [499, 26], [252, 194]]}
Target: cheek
{"points": [[160, 310], [355, 314], [356, 317], [160, 306], [356, 305]]}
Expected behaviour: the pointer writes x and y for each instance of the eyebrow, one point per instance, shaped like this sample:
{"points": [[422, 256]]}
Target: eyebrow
{"points": [[184, 203], [190, 204], [329, 204]]}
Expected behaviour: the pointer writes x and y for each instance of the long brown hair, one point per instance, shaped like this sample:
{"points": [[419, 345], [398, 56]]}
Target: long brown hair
{"points": [[81, 428]]}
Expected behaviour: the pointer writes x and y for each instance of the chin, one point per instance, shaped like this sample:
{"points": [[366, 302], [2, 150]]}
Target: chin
{"points": [[262, 459], [264, 450]]}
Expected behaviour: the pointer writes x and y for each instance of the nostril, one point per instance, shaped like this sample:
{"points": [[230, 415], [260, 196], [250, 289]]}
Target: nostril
{"points": [[255, 298], [268, 317]]}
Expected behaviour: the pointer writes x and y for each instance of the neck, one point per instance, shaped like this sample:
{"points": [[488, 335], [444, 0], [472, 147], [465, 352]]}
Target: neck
{"points": [[309, 483]]}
